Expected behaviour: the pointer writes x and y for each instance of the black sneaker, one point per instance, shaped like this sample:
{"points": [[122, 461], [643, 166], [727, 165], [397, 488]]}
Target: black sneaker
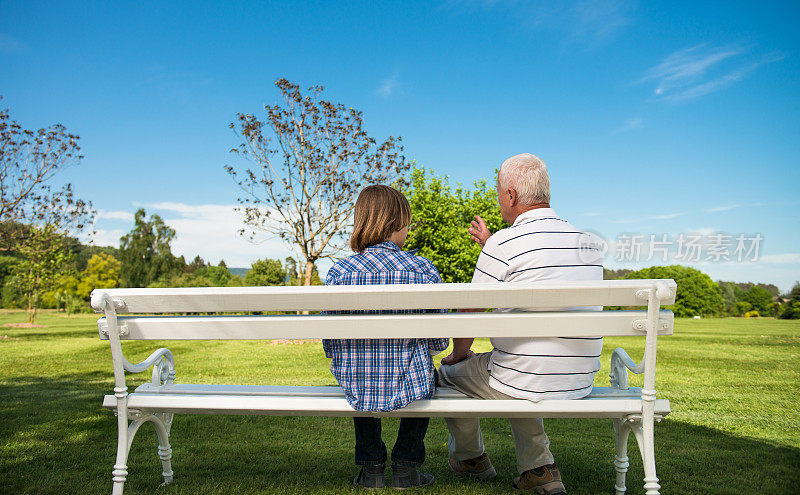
{"points": [[405, 477], [371, 477]]}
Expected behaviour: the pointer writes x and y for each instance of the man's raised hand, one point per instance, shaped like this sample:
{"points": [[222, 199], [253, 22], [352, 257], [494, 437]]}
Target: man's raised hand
{"points": [[479, 231]]}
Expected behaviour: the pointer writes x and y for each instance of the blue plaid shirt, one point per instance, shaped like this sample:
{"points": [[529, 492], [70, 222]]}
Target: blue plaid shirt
{"points": [[383, 374]]}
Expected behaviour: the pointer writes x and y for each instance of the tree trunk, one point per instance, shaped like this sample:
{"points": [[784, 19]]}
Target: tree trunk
{"points": [[307, 277], [308, 273], [32, 311], [29, 297]]}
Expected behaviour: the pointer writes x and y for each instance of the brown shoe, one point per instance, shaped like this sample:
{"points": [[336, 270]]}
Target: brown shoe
{"points": [[480, 467], [544, 480]]}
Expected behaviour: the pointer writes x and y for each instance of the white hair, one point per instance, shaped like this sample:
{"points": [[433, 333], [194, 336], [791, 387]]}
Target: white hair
{"points": [[527, 174]]}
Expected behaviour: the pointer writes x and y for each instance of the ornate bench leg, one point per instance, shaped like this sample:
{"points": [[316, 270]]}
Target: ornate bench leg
{"points": [[162, 423], [621, 432], [651, 485], [120, 472], [644, 433]]}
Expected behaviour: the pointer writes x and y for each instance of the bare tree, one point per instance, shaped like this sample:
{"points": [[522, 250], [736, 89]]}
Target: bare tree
{"points": [[36, 220], [28, 161], [310, 158]]}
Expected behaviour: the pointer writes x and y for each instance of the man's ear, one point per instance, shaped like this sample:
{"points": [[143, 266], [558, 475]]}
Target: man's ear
{"points": [[512, 196]]}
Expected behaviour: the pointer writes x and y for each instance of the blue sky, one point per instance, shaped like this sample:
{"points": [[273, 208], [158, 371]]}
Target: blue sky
{"points": [[653, 119]]}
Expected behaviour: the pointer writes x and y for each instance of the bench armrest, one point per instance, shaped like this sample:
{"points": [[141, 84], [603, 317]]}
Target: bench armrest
{"points": [[163, 364], [621, 362]]}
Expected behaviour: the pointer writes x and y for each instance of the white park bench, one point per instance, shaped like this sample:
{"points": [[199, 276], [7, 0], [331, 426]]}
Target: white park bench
{"points": [[631, 409]]}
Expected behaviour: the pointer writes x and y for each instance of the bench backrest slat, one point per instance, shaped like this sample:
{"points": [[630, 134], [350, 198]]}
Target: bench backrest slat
{"points": [[381, 297], [528, 324]]}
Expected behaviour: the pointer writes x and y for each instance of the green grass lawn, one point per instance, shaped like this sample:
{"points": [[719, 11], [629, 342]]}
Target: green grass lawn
{"points": [[733, 385]]}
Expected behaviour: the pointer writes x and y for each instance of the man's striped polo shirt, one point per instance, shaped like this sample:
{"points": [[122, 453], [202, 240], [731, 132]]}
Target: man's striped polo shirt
{"points": [[540, 246]]}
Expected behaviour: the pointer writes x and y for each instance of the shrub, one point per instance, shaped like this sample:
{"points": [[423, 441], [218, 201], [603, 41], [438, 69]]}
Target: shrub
{"points": [[697, 293]]}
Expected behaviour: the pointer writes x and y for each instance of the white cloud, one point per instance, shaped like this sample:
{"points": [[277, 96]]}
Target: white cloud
{"points": [[781, 258], [699, 70], [208, 230], [631, 125], [732, 206], [212, 231], [687, 65], [106, 237], [722, 208], [704, 231], [715, 84], [116, 215], [388, 86], [187, 210], [666, 216], [600, 20], [590, 23]]}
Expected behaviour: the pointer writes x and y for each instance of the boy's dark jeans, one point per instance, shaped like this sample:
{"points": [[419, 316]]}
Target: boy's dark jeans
{"points": [[409, 448]]}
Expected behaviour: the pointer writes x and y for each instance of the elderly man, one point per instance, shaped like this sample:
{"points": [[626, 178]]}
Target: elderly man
{"points": [[539, 245]]}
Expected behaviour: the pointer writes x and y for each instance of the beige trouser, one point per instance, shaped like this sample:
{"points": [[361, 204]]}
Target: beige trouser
{"points": [[471, 377]]}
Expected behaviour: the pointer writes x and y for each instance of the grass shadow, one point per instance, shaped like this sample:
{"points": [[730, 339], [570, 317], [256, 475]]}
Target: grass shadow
{"points": [[57, 425], [41, 334]]}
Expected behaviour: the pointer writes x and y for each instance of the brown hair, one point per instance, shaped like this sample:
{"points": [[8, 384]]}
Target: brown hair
{"points": [[380, 211]]}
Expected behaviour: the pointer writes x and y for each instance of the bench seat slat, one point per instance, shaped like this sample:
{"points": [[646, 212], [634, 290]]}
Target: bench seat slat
{"points": [[336, 406], [325, 391], [399, 296], [523, 324]]}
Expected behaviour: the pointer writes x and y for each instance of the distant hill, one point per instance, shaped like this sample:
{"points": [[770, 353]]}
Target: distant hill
{"points": [[239, 272]]}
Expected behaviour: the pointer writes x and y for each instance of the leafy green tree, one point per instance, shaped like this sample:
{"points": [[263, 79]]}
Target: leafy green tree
{"points": [[102, 271], [219, 275], [12, 297], [728, 292], [265, 272], [697, 293], [292, 277], [609, 274], [196, 264], [315, 278], [145, 252], [83, 252], [760, 299], [65, 293], [7, 264], [740, 308], [440, 218], [746, 286], [44, 257], [182, 280], [204, 276], [791, 310]]}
